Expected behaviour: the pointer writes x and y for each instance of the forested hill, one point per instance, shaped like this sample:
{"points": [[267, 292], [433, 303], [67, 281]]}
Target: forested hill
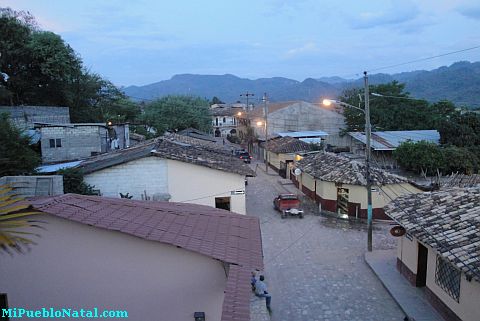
{"points": [[459, 83]]}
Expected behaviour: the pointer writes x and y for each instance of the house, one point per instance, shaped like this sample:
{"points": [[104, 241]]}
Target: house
{"points": [[174, 167], [226, 119], [440, 248], [338, 183], [66, 142], [195, 133], [383, 143], [280, 153], [294, 116], [153, 260]]}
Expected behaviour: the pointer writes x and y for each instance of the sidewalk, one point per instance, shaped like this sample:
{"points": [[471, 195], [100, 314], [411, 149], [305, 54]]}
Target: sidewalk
{"points": [[410, 299]]}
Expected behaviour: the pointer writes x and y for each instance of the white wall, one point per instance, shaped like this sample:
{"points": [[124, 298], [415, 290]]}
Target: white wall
{"points": [[145, 174], [201, 185], [80, 266], [407, 252]]}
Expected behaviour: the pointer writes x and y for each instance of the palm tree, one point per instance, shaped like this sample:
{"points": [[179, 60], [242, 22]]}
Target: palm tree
{"points": [[14, 218]]}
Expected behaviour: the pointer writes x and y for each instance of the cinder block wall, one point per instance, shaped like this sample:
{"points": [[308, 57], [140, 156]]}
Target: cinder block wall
{"points": [[77, 142], [29, 186]]}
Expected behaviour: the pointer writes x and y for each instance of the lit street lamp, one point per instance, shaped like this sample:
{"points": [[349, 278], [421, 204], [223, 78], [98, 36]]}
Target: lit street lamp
{"points": [[368, 133]]}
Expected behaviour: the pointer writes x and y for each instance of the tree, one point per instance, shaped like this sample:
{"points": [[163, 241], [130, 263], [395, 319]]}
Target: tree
{"points": [[420, 157], [216, 100], [177, 113], [462, 130], [17, 158], [389, 113], [73, 182]]}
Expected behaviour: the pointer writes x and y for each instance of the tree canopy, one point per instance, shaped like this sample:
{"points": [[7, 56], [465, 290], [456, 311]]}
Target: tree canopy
{"points": [[38, 68], [176, 113], [17, 158]]}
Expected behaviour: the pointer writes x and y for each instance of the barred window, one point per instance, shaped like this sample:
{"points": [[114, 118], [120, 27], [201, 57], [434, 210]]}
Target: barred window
{"points": [[448, 278]]}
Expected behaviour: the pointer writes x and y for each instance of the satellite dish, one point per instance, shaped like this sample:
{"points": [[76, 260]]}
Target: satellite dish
{"points": [[297, 171]]}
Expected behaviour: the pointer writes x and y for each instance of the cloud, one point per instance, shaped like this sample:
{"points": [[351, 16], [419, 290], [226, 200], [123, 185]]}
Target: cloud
{"points": [[472, 12], [398, 13], [306, 48]]}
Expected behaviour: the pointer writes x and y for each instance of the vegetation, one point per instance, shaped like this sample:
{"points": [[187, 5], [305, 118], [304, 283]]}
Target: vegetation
{"points": [[17, 157], [73, 182], [38, 68], [15, 216], [175, 113]]}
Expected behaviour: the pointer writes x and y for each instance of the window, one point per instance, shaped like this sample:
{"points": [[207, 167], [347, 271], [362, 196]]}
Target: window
{"points": [[55, 143], [448, 278], [223, 203]]}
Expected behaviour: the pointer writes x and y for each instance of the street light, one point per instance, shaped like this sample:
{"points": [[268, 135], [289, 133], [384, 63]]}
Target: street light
{"points": [[368, 133]]}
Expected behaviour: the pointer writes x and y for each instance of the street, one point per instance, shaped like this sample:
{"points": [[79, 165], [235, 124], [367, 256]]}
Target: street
{"points": [[314, 267]]}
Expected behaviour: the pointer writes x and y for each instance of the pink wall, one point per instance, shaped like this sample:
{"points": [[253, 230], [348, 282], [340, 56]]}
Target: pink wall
{"points": [[80, 266]]}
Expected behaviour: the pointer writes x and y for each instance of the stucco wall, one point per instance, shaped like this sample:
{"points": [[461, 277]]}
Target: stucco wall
{"points": [[201, 185], [146, 174], [35, 185], [79, 266], [468, 309], [308, 181], [407, 252]]}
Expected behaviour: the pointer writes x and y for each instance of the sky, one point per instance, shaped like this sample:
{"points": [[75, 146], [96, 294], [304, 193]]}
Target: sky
{"points": [[141, 42]]}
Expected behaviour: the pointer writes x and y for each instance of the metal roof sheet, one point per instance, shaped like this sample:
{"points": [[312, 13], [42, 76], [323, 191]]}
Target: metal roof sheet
{"points": [[304, 134], [390, 140], [56, 167]]}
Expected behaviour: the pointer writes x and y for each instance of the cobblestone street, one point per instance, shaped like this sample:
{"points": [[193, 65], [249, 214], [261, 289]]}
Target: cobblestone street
{"points": [[315, 267]]}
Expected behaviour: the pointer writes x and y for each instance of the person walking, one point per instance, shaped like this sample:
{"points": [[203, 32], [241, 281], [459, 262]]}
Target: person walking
{"points": [[261, 291]]}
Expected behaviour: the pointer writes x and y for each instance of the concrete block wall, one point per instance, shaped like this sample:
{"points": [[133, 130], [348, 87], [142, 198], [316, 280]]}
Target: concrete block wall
{"points": [[77, 142], [24, 116], [146, 174], [29, 186]]}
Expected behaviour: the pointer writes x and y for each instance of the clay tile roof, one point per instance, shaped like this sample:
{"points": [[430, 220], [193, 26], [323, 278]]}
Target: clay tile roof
{"points": [[176, 147], [334, 168], [448, 221], [225, 111], [286, 145], [222, 235]]}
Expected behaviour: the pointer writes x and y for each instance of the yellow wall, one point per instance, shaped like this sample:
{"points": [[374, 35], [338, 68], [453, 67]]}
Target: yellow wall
{"points": [[202, 185], [326, 190], [468, 309], [275, 159], [308, 181]]}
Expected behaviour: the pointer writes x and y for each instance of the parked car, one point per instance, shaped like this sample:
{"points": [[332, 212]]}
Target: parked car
{"points": [[245, 156], [288, 204]]}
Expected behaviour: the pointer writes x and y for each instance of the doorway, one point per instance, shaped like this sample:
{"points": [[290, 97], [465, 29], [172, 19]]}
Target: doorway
{"points": [[422, 266], [223, 203], [342, 201]]}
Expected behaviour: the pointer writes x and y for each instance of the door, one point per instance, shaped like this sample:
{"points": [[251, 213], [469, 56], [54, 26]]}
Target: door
{"points": [[342, 201], [422, 266]]}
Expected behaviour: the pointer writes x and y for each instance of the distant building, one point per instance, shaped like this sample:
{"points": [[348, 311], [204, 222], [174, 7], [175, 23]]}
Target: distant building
{"points": [[296, 116], [226, 119], [440, 251], [154, 260], [338, 185], [309, 136], [383, 143]]}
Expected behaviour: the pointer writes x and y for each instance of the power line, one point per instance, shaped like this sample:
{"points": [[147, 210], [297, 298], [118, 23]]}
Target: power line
{"points": [[423, 59], [203, 197]]}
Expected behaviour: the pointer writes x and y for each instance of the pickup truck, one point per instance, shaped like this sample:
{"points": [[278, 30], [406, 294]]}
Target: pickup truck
{"points": [[288, 204]]}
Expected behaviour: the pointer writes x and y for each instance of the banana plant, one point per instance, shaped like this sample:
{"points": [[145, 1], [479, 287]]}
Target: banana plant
{"points": [[16, 222]]}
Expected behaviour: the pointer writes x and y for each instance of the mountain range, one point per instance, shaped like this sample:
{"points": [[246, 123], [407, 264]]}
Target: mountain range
{"points": [[459, 82]]}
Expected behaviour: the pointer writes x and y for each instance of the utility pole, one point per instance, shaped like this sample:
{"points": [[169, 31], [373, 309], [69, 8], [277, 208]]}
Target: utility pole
{"points": [[247, 94], [368, 134], [265, 109]]}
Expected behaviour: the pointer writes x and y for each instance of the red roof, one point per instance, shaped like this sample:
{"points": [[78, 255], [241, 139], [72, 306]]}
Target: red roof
{"points": [[229, 237]]}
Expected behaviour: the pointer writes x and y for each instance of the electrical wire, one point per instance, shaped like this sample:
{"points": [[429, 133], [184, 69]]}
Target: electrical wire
{"points": [[423, 59], [203, 197]]}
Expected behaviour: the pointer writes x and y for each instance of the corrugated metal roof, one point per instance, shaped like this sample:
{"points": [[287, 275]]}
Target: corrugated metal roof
{"points": [[56, 167], [390, 140], [304, 134]]}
